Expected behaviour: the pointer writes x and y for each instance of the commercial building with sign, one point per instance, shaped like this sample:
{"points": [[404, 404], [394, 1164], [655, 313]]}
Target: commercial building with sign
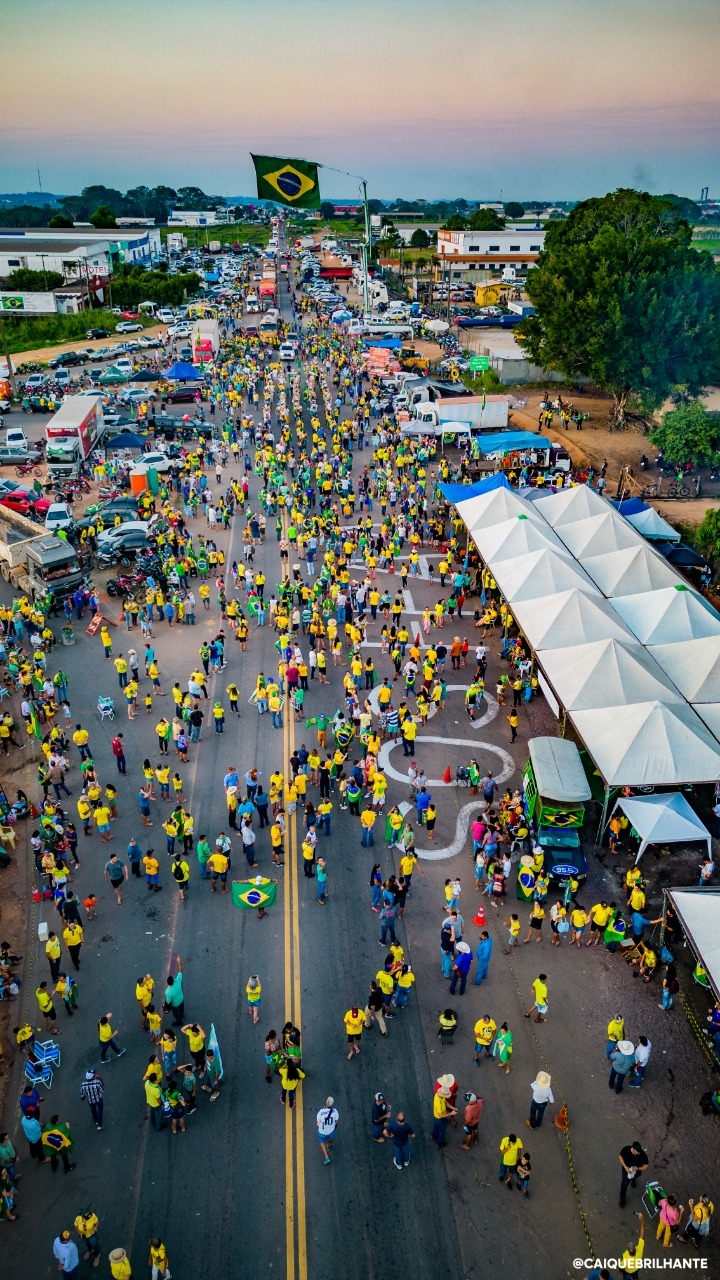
{"points": [[464, 253]]}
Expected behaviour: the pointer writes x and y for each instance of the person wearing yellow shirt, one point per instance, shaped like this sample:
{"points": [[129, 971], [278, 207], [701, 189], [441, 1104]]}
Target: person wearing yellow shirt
{"points": [[152, 871], [599, 916], [485, 1030], [409, 734], [121, 667], [379, 787], [540, 1004], [367, 822], [144, 988], [106, 1036], [578, 920], [442, 1112], [73, 939], [86, 1224], [158, 1260], [102, 817], [510, 1151], [354, 1023], [81, 738]]}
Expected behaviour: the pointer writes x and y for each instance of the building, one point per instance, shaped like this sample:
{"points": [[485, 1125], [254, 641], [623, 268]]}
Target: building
{"points": [[198, 218], [464, 253], [71, 254]]}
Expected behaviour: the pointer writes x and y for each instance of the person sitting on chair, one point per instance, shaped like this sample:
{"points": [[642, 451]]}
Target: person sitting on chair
{"points": [[447, 1021]]}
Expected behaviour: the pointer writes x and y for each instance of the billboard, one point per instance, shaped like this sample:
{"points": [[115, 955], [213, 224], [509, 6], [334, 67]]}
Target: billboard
{"points": [[28, 303]]}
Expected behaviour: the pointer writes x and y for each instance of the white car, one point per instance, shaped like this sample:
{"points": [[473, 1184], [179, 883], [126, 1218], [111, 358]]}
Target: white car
{"points": [[165, 317], [128, 326], [287, 350], [106, 537], [59, 516], [145, 341], [179, 331], [36, 381], [159, 461]]}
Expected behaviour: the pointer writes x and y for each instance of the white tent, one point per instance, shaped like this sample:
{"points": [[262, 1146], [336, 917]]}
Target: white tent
{"points": [[606, 673], [569, 618], [669, 615], [709, 713], [539, 574], [693, 666], [631, 572], [599, 534], [495, 507], [515, 537], [698, 911], [576, 503], [649, 744], [652, 525], [664, 819]]}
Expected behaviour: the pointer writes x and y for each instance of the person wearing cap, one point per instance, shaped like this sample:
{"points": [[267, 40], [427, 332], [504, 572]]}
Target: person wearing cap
{"points": [[86, 1224], [380, 1117], [461, 968], [442, 1112], [471, 1120], [66, 1252], [92, 1090], [622, 1061], [120, 1268], [326, 1120], [541, 1095]]}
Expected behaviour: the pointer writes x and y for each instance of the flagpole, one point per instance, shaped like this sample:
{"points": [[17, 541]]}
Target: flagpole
{"points": [[366, 254]]}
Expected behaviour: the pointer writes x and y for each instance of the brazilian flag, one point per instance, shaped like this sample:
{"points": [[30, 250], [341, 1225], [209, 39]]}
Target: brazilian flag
{"points": [[290, 182], [250, 894]]}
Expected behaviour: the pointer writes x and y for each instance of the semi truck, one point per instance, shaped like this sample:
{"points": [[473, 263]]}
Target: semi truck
{"points": [[71, 435], [34, 561], [477, 411]]}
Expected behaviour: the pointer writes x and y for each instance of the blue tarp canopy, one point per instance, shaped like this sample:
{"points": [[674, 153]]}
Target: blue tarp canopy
{"points": [[181, 372], [125, 440], [509, 441], [631, 506], [460, 492], [390, 342]]}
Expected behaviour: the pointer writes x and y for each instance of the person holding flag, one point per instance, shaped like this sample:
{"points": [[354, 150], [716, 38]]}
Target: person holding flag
{"points": [[260, 892]]}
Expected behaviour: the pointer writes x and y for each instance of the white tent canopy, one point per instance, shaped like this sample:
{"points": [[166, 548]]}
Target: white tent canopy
{"points": [[631, 572], [599, 534], [652, 525], [568, 618], [709, 713], [699, 913], [606, 673], [539, 574], [649, 744], [491, 508], [515, 538], [664, 819], [693, 666], [576, 503], [669, 615]]}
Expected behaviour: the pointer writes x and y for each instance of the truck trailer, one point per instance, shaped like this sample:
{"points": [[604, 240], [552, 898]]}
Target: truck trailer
{"points": [[71, 435]]}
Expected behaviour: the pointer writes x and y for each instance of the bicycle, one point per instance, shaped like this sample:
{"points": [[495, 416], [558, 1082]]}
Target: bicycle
{"points": [[651, 491], [678, 491]]}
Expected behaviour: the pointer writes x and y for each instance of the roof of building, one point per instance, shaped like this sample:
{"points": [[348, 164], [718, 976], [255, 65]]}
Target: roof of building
{"points": [[28, 244]]}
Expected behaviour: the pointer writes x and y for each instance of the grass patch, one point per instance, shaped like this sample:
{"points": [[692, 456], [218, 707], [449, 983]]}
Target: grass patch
{"points": [[25, 333], [240, 232]]}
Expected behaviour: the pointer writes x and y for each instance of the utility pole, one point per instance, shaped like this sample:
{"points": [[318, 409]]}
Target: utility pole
{"points": [[366, 255]]}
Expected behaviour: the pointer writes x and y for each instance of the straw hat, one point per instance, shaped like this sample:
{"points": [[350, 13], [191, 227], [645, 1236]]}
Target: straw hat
{"points": [[117, 1255], [444, 1092], [626, 1046], [446, 1082], [542, 1079]]}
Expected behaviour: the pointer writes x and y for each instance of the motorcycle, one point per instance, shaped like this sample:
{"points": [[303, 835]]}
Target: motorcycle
{"points": [[27, 468]]}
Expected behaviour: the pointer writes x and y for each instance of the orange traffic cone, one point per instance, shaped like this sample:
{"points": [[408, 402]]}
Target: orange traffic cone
{"points": [[562, 1119], [417, 639], [34, 812], [479, 919], [447, 776]]}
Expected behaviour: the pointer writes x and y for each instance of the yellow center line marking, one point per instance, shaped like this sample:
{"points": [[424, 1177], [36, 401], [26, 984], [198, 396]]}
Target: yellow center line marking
{"points": [[297, 1017], [287, 923]]}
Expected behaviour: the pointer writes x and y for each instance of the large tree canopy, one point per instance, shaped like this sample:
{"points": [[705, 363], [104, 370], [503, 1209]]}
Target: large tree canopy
{"points": [[622, 298]]}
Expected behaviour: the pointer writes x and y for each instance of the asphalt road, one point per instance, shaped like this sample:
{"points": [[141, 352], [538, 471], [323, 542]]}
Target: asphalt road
{"points": [[245, 1189]]}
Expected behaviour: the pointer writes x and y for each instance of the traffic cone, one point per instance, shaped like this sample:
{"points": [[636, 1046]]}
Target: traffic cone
{"points": [[34, 812], [479, 919], [447, 776], [417, 639], [562, 1119]]}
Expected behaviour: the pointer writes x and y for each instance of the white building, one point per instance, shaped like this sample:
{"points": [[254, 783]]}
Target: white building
{"points": [[198, 218], [71, 254], [489, 252]]}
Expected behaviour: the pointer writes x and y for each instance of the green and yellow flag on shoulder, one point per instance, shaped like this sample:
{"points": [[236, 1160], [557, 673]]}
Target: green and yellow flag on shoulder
{"points": [[252, 894], [290, 182]]}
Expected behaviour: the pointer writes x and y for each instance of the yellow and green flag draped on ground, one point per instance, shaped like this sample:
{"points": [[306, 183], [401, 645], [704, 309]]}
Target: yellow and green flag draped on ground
{"points": [[290, 182], [250, 894]]}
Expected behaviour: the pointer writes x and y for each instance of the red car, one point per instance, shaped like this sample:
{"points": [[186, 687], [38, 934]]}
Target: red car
{"points": [[22, 501], [129, 315]]}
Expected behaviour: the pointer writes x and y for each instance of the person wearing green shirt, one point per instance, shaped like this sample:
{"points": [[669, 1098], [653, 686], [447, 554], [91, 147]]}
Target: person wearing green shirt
{"points": [[203, 853]]}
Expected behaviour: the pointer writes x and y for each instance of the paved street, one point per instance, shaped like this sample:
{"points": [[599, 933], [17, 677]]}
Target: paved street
{"points": [[245, 1190]]}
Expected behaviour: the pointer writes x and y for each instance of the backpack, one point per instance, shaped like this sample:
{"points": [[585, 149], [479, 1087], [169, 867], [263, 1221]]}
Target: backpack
{"points": [[178, 872]]}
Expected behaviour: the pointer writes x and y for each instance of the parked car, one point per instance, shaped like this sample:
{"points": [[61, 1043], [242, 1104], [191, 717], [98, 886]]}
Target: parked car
{"points": [[66, 358], [36, 382], [24, 502], [59, 516], [13, 454], [125, 544], [98, 333], [128, 326], [160, 461], [146, 341], [180, 395]]}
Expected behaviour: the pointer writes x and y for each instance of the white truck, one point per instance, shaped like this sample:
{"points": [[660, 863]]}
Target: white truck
{"points": [[477, 411], [71, 435], [35, 561]]}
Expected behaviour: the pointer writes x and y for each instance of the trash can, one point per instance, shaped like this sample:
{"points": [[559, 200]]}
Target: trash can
{"points": [[68, 635]]}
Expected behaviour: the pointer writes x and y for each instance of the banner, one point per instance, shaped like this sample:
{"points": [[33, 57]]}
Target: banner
{"points": [[213, 1044], [290, 182], [250, 894]]}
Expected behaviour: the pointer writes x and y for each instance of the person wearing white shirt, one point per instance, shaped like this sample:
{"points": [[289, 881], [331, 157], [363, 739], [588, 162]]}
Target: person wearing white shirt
{"points": [[541, 1095], [327, 1119], [642, 1053]]}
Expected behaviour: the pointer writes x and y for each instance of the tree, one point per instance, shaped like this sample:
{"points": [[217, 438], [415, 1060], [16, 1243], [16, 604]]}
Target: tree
{"points": [[192, 198], [685, 207], [707, 538], [688, 433], [622, 298], [104, 196], [60, 220], [139, 198], [486, 220], [103, 217], [514, 210], [455, 223], [419, 239], [327, 210], [26, 281]]}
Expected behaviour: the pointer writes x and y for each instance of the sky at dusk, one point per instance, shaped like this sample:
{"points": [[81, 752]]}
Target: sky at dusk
{"points": [[475, 98]]}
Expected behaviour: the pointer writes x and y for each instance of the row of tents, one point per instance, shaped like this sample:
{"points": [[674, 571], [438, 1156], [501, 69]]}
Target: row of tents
{"points": [[627, 648]]}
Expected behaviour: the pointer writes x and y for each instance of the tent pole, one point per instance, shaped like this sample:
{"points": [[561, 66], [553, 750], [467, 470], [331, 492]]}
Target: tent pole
{"points": [[606, 803]]}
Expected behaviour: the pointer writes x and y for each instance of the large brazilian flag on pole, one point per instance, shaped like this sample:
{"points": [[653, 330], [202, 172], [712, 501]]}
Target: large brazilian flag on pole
{"points": [[290, 182]]}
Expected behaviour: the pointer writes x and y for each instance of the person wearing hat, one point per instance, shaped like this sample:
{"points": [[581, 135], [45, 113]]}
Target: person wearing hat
{"points": [[66, 1252], [91, 1091], [461, 968], [327, 1118], [471, 1120], [541, 1095], [120, 1268], [442, 1112], [380, 1116], [622, 1061], [86, 1224]]}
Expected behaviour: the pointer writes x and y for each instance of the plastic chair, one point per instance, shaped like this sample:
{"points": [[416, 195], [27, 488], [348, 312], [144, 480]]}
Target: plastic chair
{"points": [[8, 836], [48, 1051], [41, 1074], [4, 692], [106, 707]]}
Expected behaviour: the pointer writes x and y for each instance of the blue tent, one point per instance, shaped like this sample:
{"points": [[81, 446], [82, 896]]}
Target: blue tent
{"points": [[509, 441], [460, 492], [125, 440], [630, 507], [181, 372], [391, 343]]}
